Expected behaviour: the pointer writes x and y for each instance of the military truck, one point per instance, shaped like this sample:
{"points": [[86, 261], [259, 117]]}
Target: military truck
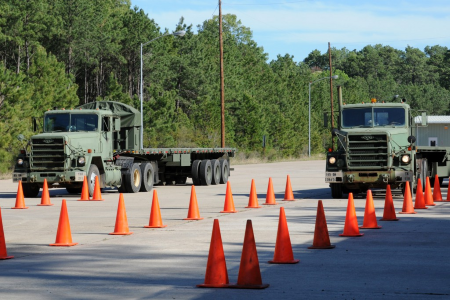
{"points": [[375, 146], [103, 139]]}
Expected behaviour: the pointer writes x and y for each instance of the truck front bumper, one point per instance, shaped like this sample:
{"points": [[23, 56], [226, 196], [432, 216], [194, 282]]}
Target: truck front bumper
{"points": [[52, 177], [368, 179]]}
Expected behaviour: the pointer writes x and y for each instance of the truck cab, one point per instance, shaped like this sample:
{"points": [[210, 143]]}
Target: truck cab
{"points": [[76, 143], [374, 148]]}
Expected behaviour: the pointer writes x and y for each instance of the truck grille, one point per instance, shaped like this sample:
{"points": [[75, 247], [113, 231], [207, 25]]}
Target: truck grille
{"points": [[367, 151], [47, 154]]}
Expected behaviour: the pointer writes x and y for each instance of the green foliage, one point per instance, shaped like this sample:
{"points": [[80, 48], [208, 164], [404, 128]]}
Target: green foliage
{"points": [[68, 52], [23, 97]]}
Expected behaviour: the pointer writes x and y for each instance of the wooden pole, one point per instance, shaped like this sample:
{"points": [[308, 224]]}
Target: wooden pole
{"points": [[331, 96]]}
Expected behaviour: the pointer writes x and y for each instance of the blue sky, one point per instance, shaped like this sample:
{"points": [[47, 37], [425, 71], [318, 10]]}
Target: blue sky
{"points": [[298, 27]]}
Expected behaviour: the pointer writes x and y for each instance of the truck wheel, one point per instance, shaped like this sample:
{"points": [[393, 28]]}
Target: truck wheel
{"points": [[30, 189], [216, 173], [205, 172], [195, 172], [336, 190], [92, 173], [224, 170], [424, 172], [147, 177], [133, 179]]}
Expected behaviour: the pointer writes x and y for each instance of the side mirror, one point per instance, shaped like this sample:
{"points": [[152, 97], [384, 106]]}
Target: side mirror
{"points": [[325, 120], [35, 126], [21, 138], [411, 139], [334, 132], [424, 119]]}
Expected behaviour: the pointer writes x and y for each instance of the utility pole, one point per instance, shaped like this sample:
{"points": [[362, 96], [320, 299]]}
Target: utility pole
{"points": [[331, 95], [222, 93]]}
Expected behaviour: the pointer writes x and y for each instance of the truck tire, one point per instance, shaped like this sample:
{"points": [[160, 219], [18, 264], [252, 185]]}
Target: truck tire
{"points": [[205, 172], [424, 172], [195, 172], [133, 179], [147, 177], [30, 189], [336, 190], [92, 173], [216, 172], [224, 171]]}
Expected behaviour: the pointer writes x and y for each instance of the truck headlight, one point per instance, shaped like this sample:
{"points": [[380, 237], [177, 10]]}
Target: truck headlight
{"points": [[332, 160], [81, 160], [20, 161], [405, 159]]}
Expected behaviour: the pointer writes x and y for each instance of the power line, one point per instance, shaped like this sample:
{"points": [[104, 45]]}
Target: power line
{"points": [[215, 10]]}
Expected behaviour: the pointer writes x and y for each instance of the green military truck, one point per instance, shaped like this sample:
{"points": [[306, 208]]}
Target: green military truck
{"points": [[376, 147], [103, 139]]}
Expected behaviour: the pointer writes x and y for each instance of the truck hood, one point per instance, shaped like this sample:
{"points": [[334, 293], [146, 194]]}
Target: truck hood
{"points": [[397, 137], [76, 139]]}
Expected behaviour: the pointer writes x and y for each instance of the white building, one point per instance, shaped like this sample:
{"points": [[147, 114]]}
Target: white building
{"points": [[436, 133]]}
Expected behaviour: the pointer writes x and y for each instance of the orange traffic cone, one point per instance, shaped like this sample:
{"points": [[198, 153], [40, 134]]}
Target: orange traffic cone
{"points": [[351, 222], [216, 275], [3, 252], [427, 194], [253, 199], [155, 214], [97, 195], [270, 197], [45, 198], [20, 201], [321, 236], [420, 200], [437, 196], [249, 276], [288, 195], [121, 227], [389, 210], [370, 220], [229, 203], [84, 191], [407, 201], [193, 213], [283, 248], [64, 236]]}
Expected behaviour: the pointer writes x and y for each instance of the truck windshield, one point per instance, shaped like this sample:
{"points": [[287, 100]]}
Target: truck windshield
{"points": [[67, 122], [373, 117]]}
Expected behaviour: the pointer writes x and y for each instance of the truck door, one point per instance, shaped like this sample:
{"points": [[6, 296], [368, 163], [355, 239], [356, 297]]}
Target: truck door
{"points": [[106, 136]]}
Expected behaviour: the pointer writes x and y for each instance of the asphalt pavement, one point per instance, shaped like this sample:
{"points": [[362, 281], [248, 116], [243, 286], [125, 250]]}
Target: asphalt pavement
{"points": [[408, 259]]}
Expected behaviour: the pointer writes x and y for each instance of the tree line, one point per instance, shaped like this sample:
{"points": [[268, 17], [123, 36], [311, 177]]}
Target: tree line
{"points": [[62, 53]]}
